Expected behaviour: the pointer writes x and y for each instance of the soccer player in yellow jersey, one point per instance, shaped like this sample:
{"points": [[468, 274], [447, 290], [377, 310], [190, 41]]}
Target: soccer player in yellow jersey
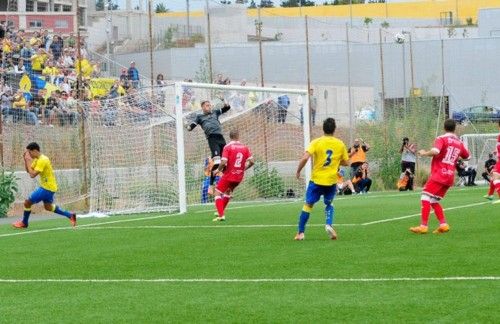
{"points": [[327, 153], [37, 164]]}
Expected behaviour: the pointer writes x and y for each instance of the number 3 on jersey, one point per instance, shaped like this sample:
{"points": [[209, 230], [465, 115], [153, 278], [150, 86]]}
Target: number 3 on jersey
{"points": [[328, 160]]}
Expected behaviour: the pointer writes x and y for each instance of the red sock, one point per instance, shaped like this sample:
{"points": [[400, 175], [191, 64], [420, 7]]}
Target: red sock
{"points": [[426, 210], [497, 186], [438, 210], [226, 199], [492, 189], [219, 204]]}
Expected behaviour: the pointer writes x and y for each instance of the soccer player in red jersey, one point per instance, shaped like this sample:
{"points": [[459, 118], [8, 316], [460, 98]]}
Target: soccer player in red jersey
{"points": [[236, 159], [446, 151], [496, 170]]}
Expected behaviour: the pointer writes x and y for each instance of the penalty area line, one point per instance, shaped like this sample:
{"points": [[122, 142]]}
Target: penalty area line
{"points": [[249, 280], [418, 214]]}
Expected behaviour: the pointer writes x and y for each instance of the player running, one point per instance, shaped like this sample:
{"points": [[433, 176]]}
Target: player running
{"points": [[446, 151], [327, 153], [236, 159], [209, 122], [37, 164]]}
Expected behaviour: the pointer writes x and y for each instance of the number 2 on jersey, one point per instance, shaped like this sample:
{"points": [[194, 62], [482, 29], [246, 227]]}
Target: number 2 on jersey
{"points": [[329, 154], [239, 158]]}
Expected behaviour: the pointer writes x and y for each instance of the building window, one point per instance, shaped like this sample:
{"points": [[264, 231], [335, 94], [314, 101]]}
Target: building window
{"points": [[66, 8], [42, 6], [30, 5], [61, 24], [35, 24]]}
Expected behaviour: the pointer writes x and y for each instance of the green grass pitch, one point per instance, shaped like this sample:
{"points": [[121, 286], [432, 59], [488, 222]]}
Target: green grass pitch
{"points": [[156, 268]]}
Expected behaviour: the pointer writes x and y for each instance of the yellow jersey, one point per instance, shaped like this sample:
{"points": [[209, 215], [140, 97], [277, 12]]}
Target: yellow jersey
{"points": [[327, 152], [46, 173]]}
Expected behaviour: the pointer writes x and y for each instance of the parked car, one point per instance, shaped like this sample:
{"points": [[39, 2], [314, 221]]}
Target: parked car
{"points": [[477, 113]]}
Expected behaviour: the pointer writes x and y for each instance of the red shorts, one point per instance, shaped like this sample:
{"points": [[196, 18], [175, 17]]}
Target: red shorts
{"points": [[497, 167], [224, 185], [435, 189]]}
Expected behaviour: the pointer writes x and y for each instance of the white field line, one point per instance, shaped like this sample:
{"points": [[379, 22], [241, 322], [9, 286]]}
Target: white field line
{"points": [[25, 232], [214, 226], [248, 280], [418, 214]]}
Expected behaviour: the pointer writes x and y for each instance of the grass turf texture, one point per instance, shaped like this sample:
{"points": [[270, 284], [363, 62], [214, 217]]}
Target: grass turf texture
{"points": [[200, 249]]}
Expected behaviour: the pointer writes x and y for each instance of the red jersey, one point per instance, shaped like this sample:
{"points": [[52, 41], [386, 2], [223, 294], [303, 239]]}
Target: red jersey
{"points": [[498, 148], [236, 155], [450, 148]]}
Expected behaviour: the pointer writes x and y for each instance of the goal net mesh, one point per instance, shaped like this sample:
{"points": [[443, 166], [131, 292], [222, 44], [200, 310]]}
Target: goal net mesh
{"points": [[132, 156], [269, 123], [480, 146], [133, 150]]}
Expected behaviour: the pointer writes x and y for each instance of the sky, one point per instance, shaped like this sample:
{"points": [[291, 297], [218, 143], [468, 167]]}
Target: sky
{"points": [[180, 5]]}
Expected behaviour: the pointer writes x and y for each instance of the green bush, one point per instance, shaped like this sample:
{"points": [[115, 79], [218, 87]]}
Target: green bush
{"points": [[267, 181], [418, 122], [8, 187]]}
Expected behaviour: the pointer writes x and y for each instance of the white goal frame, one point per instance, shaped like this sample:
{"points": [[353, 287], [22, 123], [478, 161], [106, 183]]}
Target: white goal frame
{"points": [[180, 127]]}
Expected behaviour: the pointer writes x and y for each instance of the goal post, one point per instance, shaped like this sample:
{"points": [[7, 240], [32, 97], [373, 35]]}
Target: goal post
{"points": [[270, 122], [143, 159], [479, 146]]}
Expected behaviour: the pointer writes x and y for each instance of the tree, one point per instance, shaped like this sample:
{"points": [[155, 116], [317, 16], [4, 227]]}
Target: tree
{"points": [[99, 5], [367, 21], [252, 4], [297, 3], [384, 24], [160, 8], [266, 4]]}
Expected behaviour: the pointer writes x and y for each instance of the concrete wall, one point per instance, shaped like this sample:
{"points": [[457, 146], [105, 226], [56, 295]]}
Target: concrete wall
{"points": [[490, 22], [470, 69]]}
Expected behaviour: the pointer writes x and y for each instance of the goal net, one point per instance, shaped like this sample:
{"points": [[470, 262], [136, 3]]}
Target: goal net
{"points": [[480, 146], [269, 123], [142, 158], [132, 156]]}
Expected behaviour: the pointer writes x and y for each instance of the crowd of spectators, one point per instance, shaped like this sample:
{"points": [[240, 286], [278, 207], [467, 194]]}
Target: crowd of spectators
{"points": [[39, 77]]}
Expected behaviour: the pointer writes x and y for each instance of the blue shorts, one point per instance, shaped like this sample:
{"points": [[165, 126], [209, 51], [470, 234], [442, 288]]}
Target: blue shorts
{"points": [[41, 194], [314, 193]]}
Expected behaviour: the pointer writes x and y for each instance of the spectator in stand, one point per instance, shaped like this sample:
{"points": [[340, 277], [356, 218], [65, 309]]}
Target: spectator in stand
{"points": [[19, 68], [160, 80], [361, 180], [133, 75], [38, 61], [51, 107], [220, 79], [408, 153], [6, 102], [57, 47], [50, 72], [68, 61], [26, 53], [357, 154], [38, 102], [20, 110], [70, 41]]}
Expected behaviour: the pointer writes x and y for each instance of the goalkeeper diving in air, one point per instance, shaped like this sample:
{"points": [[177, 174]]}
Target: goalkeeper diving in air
{"points": [[208, 119]]}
